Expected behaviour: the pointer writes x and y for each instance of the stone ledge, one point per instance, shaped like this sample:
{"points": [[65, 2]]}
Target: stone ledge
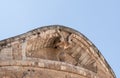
{"points": [[53, 65]]}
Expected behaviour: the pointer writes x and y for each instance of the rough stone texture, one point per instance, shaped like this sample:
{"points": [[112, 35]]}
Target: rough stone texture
{"points": [[52, 52]]}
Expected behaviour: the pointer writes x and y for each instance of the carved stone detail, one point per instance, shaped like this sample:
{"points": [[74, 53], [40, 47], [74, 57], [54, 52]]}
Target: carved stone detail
{"points": [[52, 52], [60, 46]]}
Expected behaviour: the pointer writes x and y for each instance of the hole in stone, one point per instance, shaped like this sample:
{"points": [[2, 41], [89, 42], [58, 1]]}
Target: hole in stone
{"points": [[28, 69], [55, 47], [60, 30], [38, 33]]}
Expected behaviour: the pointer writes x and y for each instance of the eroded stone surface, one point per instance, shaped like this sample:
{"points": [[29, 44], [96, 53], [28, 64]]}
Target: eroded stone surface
{"points": [[54, 43], [62, 46]]}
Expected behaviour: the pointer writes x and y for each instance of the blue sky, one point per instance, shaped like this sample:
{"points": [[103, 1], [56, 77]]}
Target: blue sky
{"points": [[98, 20]]}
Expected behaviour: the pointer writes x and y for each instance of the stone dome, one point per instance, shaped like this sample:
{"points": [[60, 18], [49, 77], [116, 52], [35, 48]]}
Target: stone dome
{"points": [[53, 51]]}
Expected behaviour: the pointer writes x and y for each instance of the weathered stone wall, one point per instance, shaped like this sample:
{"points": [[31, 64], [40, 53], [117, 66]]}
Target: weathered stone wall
{"points": [[52, 52]]}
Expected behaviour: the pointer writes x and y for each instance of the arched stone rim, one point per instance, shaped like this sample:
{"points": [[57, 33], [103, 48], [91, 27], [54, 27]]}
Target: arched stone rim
{"points": [[48, 64], [93, 49]]}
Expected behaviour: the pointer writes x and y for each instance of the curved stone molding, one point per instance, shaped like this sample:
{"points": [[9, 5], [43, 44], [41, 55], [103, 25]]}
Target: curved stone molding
{"points": [[55, 48], [30, 68]]}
